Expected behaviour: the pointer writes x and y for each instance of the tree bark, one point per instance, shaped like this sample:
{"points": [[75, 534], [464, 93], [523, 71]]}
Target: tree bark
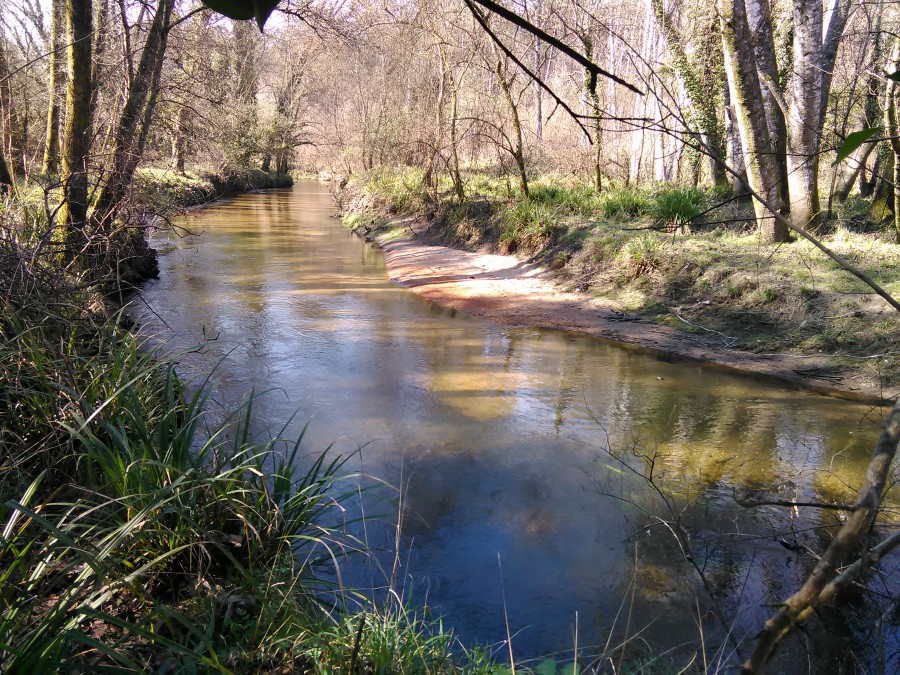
{"points": [[50, 164], [178, 141], [868, 116], [5, 177], [138, 109], [804, 99], [893, 128], [746, 97], [10, 123], [701, 97], [759, 19], [76, 138]]}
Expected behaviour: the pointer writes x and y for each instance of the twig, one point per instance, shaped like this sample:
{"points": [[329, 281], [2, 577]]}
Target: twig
{"points": [[356, 644], [729, 341]]}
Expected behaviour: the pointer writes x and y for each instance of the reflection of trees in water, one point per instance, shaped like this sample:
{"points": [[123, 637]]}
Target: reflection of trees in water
{"points": [[751, 560], [715, 435]]}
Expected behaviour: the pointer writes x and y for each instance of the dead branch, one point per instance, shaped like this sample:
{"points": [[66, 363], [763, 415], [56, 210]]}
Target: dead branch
{"points": [[825, 580]]}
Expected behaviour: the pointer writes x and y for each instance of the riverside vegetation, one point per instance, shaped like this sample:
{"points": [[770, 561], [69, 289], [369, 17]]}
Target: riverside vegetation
{"points": [[143, 529], [687, 257]]}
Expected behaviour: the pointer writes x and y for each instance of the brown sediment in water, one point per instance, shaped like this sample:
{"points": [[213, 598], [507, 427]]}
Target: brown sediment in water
{"points": [[507, 290]]}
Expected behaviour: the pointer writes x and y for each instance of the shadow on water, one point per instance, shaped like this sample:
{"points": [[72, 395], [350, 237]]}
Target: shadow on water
{"points": [[517, 450]]}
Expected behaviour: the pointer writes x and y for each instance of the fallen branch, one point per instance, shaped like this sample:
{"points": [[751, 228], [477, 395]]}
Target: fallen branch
{"points": [[826, 581]]}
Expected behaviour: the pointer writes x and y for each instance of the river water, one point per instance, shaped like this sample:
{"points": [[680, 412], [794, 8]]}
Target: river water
{"points": [[516, 451]]}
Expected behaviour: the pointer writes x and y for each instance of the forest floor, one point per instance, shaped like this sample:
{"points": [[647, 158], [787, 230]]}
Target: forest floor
{"points": [[718, 296]]}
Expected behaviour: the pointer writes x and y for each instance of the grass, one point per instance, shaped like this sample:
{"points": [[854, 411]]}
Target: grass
{"points": [[666, 249], [141, 529]]}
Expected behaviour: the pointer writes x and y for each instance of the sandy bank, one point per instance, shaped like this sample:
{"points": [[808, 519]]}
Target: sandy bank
{"points": [[504, 289]]}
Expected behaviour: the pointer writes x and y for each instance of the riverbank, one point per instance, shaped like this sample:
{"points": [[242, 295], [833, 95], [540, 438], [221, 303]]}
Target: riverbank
{"points": [[139, 534], [720, 298]]}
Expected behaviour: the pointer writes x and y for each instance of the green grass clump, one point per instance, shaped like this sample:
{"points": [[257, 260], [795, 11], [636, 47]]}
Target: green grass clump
{"points": [[623, 202], [529, 224], [126, 505], [675, 208], [402, 190], [642, 254]]}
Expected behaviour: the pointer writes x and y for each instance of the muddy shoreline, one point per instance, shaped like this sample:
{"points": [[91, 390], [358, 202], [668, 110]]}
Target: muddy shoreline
{"points": [[507, 290]]}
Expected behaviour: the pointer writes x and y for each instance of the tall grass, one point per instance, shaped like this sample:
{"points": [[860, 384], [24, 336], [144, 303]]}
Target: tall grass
{"points": [[124, 503]]}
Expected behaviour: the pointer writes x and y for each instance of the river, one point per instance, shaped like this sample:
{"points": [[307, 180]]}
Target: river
{"points": [[515, 450]]}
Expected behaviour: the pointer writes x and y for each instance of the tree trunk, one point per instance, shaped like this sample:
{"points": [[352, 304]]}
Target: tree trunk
{"points": [[589, 92], [50, 164], [455, 173], [892, 128], [178, 141], [428, 177], [77, 135], [138, 108], [703, 114], [867, 118], [804, 100], [517, 150], [11, 125], [5, 177], [735, 155], [759, 20], [538, 94], [746, 97]]}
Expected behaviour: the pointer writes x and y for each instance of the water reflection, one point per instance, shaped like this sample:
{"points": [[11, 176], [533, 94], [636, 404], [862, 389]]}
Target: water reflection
{"points": [[501, 437]]}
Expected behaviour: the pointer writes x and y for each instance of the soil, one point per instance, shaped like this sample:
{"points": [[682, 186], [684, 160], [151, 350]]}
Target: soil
{"points": [[508, 290]]}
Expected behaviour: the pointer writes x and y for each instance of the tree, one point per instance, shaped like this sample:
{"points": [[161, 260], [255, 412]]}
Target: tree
{"points": [[77, 134], [750, 115], [134, 121], [55, 88]]}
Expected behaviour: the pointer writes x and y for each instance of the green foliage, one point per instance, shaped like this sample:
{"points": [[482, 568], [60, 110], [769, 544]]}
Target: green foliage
{"points": [[122, 492], [854, 141], [402, 190], [642, 254], [676, 207], [529, 224], [621, 202]]}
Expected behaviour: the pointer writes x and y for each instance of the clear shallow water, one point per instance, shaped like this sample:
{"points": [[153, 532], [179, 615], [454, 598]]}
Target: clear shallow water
{"points": [[499, 437]]}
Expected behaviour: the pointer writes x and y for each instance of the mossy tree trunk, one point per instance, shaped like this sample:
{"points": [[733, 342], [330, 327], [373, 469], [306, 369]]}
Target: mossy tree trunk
{"points": [[134, 120], [765, 50], [76, 137], [592, 101], [750, 117], [892, 128], [56, 91], [702, 95]]}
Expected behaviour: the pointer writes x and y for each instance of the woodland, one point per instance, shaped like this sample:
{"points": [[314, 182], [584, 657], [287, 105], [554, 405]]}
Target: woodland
{"points": [[134, 537]]}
